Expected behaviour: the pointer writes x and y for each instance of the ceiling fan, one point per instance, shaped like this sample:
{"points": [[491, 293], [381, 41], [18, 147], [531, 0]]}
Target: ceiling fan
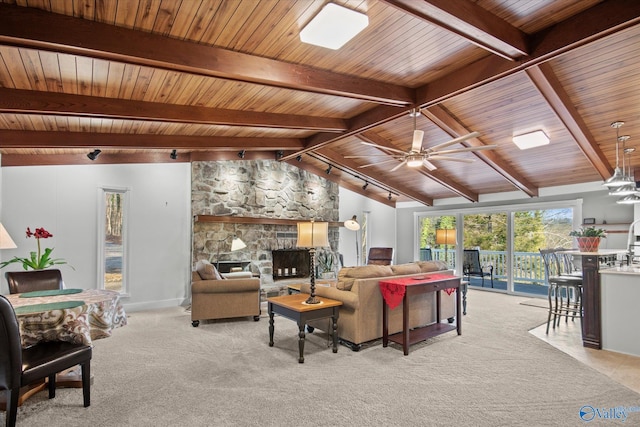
{"points": [[420, 156]]}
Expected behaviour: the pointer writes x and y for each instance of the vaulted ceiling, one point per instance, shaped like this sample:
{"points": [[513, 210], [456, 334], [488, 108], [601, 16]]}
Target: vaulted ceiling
{"points": [[212, 78]]}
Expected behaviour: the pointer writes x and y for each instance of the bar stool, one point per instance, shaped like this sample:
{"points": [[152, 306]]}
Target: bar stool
{"points": [[565, 289]]}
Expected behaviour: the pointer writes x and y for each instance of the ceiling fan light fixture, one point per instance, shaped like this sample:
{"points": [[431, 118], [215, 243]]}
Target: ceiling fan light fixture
{"points": [[529, 140], [414, 161], [333, 26]]}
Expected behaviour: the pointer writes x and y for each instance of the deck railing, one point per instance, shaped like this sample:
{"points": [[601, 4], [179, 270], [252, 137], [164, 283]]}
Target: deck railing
{"points": [[528, 267]]}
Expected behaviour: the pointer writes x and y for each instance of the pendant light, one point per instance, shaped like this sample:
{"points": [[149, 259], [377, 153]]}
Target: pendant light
{"points": [[618, 178], [630, 187], [630, 190]]}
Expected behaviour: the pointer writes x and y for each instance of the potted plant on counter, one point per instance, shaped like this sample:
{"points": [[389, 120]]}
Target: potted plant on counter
{"points": [[588, 238]]}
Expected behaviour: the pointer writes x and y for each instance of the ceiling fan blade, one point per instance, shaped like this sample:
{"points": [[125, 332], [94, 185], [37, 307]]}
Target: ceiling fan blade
{"points": [[378, 163], [466, 149], [398, 166], [416, 145], [454, 141], [452, 159], [382, 147], [374, 155], [427, 164]]}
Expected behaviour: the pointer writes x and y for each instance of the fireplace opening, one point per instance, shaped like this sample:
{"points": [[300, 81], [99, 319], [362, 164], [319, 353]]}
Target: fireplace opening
{"points": [[290, 263]]}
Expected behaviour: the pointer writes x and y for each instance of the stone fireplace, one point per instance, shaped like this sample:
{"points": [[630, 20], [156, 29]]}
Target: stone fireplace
{"points": [[268, 198]]}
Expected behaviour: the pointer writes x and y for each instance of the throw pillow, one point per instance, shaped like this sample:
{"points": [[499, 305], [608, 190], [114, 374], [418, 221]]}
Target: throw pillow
{"points": [[428, 266], [347, 275], [409, 268], [207, 271]]}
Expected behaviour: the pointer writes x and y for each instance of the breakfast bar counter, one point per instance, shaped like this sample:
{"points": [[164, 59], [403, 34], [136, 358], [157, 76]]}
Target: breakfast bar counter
{"points": [[620, 293]]}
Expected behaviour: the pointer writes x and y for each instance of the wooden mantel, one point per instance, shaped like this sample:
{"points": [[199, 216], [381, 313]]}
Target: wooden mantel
{"points": [[254, 220]]}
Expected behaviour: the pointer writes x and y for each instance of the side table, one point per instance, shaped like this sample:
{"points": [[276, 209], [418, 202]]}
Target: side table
{"points": [[294, 308]]}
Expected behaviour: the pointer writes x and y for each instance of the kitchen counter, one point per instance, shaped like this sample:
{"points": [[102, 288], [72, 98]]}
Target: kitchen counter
{"points": [[620, 293]]}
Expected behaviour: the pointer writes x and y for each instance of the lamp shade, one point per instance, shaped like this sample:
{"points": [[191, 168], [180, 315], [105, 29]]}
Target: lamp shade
{"points": [[6, 242], [446, 236], [237, 244], [352, 224], [313, 234]]}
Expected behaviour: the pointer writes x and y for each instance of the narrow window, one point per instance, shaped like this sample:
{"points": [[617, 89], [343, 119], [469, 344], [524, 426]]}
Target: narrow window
{"points": [[112, 240]]}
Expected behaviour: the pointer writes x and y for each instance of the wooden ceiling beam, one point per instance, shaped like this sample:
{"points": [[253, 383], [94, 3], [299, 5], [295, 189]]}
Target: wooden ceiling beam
{"points": [[445, 121], [395, 186], [471, 22], [602, 20], [81, 159], [434, 175], [334, 177], [34, 28], [545, 80], [362, 122], [50, 103], [599, 21], [46, 139]]}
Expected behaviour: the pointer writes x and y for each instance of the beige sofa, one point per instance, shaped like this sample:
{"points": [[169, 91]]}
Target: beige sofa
{"points": [[360, 317], [220, 298]]}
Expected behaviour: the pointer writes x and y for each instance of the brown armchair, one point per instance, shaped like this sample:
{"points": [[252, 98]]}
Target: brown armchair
{"points": [[36, 280], [223, 298]]}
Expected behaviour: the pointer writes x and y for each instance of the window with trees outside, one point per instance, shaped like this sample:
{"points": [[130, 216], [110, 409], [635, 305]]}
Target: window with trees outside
{"points": [[112, 240], [508, 240]]}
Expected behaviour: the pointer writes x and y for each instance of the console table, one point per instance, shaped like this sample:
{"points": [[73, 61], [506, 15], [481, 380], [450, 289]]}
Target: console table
{"points": [[406, 287]]}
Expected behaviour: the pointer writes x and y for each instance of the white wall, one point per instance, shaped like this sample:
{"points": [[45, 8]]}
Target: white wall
{"points": [[382, 224], [64, 200]]}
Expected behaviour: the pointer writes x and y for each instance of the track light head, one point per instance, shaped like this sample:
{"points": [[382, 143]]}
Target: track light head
{"points": [[389, 197], [279, 154], [299, 157], [366, 184], [241, 154], [94, 154], [328, 171], [174, 154]]}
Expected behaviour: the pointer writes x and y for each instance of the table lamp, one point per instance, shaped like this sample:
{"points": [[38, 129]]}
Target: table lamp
{"points": [[446, 237], [353, 225], [236, 245], [313, 235], [6, 242]]}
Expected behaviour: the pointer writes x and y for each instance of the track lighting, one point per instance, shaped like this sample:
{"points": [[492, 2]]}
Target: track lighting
{"points": [[241, 154], [366, 184], [279, 154], [299, 157], [328, 171], [174, 154], [389, 197], [94, 154]]}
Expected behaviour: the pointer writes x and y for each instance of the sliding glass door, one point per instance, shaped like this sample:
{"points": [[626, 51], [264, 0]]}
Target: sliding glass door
{"points": [[508, 240]]}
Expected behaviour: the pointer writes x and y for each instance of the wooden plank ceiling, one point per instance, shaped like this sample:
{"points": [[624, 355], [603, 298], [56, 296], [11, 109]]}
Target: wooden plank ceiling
{"points": [[214, 78]]}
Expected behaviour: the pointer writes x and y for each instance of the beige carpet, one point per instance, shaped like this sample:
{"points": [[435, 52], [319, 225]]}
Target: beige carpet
{"points": [[160, 371]]}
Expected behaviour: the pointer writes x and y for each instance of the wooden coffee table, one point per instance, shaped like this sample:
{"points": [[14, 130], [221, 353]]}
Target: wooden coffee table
{"points": [[294, 308]]}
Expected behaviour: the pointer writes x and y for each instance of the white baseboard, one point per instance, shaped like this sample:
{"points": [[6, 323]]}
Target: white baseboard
{"points": [[152, 305]]}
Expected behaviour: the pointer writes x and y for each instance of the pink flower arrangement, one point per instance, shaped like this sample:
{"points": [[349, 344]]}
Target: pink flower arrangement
{"points": [[37, 260]]}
